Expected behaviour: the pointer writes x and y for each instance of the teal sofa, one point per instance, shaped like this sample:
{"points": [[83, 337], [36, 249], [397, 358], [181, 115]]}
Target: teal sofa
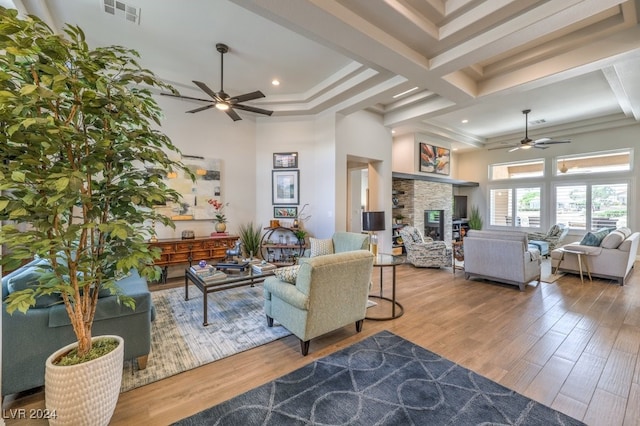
{"points": [[327, 293], [28, 339]]}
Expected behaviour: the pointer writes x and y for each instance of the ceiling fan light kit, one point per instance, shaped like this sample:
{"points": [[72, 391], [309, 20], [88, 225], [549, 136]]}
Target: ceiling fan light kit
{"points": [[221, 100]]}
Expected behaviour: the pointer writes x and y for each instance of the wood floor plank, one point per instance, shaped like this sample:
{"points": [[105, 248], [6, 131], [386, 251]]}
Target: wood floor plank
{"points": [[583, 379], [616, 377], [632, 414], [546, 385], [569, 406], [563, 343], [606, 409]]}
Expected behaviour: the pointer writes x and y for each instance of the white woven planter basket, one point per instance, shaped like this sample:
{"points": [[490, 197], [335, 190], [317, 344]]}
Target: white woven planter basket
{"points": [[84, 394]]}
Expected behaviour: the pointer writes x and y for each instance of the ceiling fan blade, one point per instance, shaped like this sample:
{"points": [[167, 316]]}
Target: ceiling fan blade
{"points": [[247, 97], [540, 146], [253, 109], [548, 141], [185, 97], [193, 111], [206, 89], [234, 115]]}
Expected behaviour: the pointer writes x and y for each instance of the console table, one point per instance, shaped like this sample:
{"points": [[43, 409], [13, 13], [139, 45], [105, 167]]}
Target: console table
{"points": [[179, 251]]}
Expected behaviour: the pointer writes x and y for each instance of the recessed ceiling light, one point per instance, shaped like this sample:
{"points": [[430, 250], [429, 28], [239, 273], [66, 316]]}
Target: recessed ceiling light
{"points": [[465, 121], [275, 82], [405, 92], [393, 132]]}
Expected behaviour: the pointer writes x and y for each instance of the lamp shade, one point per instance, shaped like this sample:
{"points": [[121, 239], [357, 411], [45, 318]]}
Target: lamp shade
{"points": [[373, 221]]}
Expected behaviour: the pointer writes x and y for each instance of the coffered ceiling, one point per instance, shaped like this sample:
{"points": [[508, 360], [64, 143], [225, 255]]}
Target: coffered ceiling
{"points": [[574, 63]]}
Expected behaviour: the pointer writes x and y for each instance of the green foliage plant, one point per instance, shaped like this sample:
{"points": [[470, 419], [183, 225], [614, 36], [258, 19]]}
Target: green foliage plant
{"points": [[300, 234], [475, 219], [81, 166], [249, 235]]}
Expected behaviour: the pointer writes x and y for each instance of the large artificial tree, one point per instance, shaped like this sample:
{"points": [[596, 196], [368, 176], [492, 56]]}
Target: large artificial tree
{"points": [[82, 165]]}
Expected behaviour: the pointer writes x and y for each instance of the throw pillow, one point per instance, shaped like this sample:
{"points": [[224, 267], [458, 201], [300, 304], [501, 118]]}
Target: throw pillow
{"points": [[29, 279], [321, 247], [594, 238], [625, 231], [612, 240], [287, 274]]}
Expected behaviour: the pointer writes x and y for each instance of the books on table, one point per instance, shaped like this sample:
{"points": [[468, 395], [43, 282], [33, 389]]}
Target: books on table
{"points": [[262, 267], [207, 273]]}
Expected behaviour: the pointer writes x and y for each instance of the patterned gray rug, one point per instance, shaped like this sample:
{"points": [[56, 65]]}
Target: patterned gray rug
{"points": [[382, 380], [179, 341]]}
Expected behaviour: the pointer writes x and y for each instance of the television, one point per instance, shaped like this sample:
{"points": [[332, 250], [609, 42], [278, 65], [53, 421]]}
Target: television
{"points": [[459, 207]]}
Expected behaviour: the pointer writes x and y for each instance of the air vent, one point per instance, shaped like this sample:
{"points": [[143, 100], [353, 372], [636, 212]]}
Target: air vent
{"points": [[120, 9], [537, 122]]}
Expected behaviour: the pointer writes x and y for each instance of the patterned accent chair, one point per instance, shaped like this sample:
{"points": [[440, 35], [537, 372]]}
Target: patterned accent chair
{"points": [[329, 292], [554, 236], [424, 252]]}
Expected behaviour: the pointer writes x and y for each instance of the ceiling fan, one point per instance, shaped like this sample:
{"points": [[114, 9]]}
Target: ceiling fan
{"points": [[222, 100], [526, 143]]}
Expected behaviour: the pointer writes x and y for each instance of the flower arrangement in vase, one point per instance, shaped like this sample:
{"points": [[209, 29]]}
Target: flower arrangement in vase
{"points": [[221, 219]]}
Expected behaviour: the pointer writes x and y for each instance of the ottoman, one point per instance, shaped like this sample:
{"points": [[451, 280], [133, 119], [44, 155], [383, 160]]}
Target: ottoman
{"points": [[542, 246]]}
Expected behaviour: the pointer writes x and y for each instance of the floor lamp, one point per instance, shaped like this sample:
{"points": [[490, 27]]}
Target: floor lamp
{"points": [[372, 222]]}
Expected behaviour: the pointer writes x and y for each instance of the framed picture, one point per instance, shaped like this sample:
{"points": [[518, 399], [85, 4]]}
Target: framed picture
{"points": [[285, 187], [285, 212], [285, 160], [434, 159]]}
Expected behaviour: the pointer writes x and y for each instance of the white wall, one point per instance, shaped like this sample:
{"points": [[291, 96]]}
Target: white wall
{"points": [[473, 166], [213, 134], [362, 135]]}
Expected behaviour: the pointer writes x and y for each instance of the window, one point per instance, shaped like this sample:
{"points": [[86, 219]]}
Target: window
{"points": [[596, 204], [517, 170], [515, 207], [595, 162]]}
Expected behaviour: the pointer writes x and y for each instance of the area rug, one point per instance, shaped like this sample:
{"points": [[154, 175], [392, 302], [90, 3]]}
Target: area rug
{"points": [[552, 278], [179, 341], [382, 380]]}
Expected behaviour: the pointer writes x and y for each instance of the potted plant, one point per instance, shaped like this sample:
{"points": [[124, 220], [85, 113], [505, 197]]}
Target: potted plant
{"points": [[250, 237], [221, 219], [475, 219], [300, 235], [82, 168], [398, 218]]}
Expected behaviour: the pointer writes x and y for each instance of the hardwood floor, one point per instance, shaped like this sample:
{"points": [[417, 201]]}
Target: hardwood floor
{"points": [[573, 347]]}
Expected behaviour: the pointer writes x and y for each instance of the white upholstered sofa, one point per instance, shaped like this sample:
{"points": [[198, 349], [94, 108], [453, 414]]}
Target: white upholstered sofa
{"points": [[501, 256], [612, 258]]}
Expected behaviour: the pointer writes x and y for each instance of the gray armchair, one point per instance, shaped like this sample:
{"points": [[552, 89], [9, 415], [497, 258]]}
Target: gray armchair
{"points": [[424, 252], [330, 292], [554, 236]]}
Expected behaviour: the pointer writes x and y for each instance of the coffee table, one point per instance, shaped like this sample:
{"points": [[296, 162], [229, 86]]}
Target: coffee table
{"points": [[580, 254], [234, 278]]}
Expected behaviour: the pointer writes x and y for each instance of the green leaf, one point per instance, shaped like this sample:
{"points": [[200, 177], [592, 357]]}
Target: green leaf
{"points": [[18, 176], [62, 184]]}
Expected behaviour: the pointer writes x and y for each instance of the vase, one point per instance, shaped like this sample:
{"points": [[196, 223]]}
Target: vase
{"points": [[85, 393], [221, 227]]}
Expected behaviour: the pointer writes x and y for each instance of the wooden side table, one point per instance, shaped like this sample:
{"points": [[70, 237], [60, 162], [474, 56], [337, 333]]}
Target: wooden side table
{"points": [[581, 260], [457, 252]]}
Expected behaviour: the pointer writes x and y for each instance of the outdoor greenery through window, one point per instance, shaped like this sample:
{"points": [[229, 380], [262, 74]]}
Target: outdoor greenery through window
{"points": [[515, 207], [597, 205], [517, 170]]}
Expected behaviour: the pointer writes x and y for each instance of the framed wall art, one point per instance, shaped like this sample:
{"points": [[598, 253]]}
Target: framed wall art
{"points": [[285, 160], [434, 159], [285, 187], [195, 195], [285, 212]]}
